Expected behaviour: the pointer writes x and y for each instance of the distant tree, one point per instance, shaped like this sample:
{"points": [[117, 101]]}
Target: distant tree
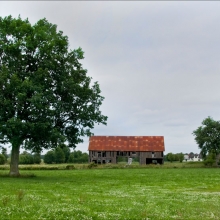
{"points": [[46, 96], [84, 158], [59, 155], [77, 154], [207, 137], [180, 157], [26, 158], [71, 158], [37, 158], [2, 159], [66, 151], [170, 157], [49, 157], [78, 157]]}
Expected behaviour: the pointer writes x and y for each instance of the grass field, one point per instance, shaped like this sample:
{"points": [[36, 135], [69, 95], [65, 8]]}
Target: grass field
{"points": [[124, 193]]}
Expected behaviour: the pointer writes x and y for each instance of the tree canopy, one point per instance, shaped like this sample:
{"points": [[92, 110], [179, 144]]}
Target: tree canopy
{"points": [[207, 136], [46, 97]]}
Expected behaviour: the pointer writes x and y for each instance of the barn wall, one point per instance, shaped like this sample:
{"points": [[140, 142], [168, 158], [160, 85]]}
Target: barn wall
{"points": [[112, 155]]}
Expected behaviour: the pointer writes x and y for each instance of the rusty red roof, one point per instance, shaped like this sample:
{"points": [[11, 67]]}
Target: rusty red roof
{"points": [[126, 143]]}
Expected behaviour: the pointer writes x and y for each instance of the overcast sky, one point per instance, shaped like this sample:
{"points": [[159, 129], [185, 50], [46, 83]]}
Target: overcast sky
{"points": [[157, 62]]}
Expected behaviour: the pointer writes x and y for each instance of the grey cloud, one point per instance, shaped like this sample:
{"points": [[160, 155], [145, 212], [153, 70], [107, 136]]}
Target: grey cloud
{"points": [[157, 62]]}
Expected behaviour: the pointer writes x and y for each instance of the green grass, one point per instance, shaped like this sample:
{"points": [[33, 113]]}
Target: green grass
{"points": [[140, 193]]}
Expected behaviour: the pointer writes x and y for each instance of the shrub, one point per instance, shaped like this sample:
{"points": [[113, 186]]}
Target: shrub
{"points": [[209, 162], [210, 159], [70, 167], [91, 165], [2, 159]]}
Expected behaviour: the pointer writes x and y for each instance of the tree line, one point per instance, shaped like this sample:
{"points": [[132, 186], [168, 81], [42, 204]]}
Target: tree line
{"points": [[3, 156], [61, 154], [174, 157]]}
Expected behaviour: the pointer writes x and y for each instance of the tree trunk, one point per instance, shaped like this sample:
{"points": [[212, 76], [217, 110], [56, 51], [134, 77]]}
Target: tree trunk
{"points": [[14, 171]]}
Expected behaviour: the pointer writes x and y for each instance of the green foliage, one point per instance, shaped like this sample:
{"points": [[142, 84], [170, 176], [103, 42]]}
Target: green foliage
{"points": [[37, 158], [207, 137], [92, 165], [66, 151], [59, 155], [49, 157], [180, 157], [170, 157], [26, 158], [70, 167], [122, 159], [46, 97], [71, 158], [4, 152], [2, 159], [165, 158], [78, 157], [174, 157], [210, 159]]}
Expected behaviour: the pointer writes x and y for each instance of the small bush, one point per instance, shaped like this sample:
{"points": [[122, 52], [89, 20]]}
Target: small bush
{"points": [[91, 165], [210, 159], [70, 167], [209, 162]]}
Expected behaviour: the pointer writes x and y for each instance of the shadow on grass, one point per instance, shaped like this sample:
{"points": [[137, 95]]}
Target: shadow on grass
{"points": [[28, 175]]}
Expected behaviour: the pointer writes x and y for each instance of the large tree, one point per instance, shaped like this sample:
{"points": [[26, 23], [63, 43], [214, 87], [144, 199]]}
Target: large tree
{"points": [[207, 137], [46, 97]]}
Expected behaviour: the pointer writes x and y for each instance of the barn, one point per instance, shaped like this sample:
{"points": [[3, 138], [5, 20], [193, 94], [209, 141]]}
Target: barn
{"points": [[108, 149]]}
